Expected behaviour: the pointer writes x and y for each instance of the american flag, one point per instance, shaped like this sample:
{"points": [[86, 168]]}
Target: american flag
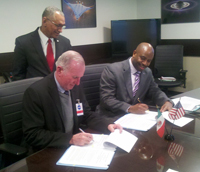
{"points": [[175, 150], [176, 112]]}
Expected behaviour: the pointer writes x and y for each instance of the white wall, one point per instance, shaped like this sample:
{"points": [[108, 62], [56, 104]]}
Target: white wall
{"points": [[23, 16], [152, 9]]}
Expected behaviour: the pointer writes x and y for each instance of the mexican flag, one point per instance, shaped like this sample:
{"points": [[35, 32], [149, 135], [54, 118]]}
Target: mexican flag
{"points": [[160, 124]]}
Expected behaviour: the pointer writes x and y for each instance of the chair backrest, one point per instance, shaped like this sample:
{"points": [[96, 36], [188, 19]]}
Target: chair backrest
{"points": [[168, 60], [6, 65], [11, 96], [91, 83]]}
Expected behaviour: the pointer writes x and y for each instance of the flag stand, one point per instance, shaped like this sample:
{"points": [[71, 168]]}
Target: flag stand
{"points": [[169, 137]]}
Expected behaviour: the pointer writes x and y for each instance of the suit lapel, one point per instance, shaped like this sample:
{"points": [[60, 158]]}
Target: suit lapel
{"points": [[127, 77], [37, 44], [53, 92]]}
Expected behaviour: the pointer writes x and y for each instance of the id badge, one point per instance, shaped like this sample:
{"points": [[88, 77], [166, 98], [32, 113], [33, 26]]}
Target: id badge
{"points": [[79, 109]]}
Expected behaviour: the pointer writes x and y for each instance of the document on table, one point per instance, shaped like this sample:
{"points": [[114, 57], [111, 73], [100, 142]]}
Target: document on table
{"points": [[188, 103], [179, 122], [142, 122], [100, 152]]}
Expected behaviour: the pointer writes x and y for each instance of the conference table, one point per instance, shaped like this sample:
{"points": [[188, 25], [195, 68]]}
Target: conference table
{"points": [[149, 154]]}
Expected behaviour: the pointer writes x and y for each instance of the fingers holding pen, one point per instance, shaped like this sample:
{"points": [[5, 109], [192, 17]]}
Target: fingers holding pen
{"points": [[81, 139]]}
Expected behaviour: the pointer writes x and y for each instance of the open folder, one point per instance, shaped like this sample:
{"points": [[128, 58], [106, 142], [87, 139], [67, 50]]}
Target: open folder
{"points": [[98, 154]]}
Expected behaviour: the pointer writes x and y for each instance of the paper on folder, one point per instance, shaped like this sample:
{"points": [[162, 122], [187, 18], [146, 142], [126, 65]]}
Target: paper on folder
{"points": [[142, 122], [100, 152]]}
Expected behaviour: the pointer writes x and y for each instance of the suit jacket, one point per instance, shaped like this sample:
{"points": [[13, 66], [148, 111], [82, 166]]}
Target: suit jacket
{"points": [[116, 89], [29, 58], [42, 115]]}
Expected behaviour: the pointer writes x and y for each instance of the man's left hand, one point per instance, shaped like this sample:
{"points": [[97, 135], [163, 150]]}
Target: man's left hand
{"points": [[166, 106], [112, 127]]}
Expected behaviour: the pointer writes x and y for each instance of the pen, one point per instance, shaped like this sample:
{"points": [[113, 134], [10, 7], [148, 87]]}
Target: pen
{"points": [[81, 130], [84, 132]]}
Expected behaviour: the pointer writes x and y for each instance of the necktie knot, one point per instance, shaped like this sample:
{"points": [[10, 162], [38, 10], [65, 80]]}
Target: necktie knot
{"points": [[137, 73], [66, 92], [49, 41]]}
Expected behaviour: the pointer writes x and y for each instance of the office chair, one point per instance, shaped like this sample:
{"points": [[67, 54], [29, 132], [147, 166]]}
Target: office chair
{"points": [[6, 66], [11, 96], [91, 83], [169, 63]]}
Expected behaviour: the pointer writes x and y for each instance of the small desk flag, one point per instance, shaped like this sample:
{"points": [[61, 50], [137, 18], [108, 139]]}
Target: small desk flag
{"points": [[176, 112], [160, 124]]}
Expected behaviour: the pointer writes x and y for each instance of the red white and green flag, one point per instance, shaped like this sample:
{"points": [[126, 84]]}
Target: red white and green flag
{"points": [[160, 124]]}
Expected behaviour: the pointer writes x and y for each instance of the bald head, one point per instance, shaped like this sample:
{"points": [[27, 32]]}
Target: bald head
{"points": [[145, 47], [142, 56], [70, 67], [66, 59]]}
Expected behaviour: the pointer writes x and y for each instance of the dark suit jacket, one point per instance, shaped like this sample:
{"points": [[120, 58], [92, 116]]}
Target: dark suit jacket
{"points": [[42, 115], [116, 89], [29, 58]]}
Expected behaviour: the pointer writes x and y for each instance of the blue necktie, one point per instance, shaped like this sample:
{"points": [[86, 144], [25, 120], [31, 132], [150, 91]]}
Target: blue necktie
{"points": [[137, 81], [66, 92]]}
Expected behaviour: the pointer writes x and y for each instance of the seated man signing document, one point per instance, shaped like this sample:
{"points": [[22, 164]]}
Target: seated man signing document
{"points": [[55, 106], [125, 85]]}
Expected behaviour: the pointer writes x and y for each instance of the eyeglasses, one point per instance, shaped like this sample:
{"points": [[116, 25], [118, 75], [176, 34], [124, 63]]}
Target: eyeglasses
{"points": [[58, 26]]}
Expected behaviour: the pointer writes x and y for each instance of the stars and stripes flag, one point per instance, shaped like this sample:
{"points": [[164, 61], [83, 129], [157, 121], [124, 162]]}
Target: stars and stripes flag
{"points": [[175, 150], [160, 124], [177, 111]]}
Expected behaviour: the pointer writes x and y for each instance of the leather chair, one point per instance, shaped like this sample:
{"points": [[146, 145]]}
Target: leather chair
{"points": [[169, 63], [6, 66], [11, 96], [91, 83]]}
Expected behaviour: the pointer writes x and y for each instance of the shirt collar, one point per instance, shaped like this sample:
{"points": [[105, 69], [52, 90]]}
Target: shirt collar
{"points": [[133, 70], [43, 37], [60, 89]]}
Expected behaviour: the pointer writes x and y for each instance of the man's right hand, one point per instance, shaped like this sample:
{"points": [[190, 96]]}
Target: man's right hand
{"points": [[139, 108], [81, 139]]}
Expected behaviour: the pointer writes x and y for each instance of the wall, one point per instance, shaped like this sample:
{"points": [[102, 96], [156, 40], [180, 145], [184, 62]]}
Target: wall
{"points": [[23, 16], [152, 9]]}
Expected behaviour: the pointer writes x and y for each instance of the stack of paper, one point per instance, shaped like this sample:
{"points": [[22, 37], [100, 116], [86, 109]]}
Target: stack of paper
{"points": [[100, 152], [167, 78], [142, 122], [188, 103]]}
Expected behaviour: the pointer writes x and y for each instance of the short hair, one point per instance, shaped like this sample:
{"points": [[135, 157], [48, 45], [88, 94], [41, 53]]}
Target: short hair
{"points": [[50, 11], [67, 57]]}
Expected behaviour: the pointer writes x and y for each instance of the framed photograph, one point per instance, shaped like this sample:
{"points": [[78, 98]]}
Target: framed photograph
{"points": [[180, 11], [79, 14]]}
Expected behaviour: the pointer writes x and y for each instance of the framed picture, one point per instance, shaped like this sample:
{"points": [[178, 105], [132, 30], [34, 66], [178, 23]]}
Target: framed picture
{"points": [[176, 11], [79, 14]]}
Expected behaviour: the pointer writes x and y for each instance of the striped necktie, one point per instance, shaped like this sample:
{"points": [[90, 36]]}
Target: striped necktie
{"points": [[137, 81]]}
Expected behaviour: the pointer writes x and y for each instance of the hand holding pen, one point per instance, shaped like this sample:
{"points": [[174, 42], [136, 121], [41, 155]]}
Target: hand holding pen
{"points": [[139, 108], [81, 139]]}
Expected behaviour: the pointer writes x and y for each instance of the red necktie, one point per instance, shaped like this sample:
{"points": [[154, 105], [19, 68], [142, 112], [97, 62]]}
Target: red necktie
{"points": [[50, 56]]}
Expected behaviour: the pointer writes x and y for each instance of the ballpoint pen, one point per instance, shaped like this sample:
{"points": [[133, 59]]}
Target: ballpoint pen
{"points": [[81, 130]]}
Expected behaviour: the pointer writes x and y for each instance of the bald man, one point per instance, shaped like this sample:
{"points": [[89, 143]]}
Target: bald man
{"points": [[123, 92]]}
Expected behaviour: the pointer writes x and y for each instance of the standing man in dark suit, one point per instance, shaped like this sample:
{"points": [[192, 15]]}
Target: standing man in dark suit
{"points": [[31, 50], [122, 92], [54, 107]]}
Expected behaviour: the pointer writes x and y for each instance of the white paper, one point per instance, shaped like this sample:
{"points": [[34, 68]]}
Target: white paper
{"points": [[179, 122], [142, 122], [188, 103], [124, 140], [86, 157]]}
